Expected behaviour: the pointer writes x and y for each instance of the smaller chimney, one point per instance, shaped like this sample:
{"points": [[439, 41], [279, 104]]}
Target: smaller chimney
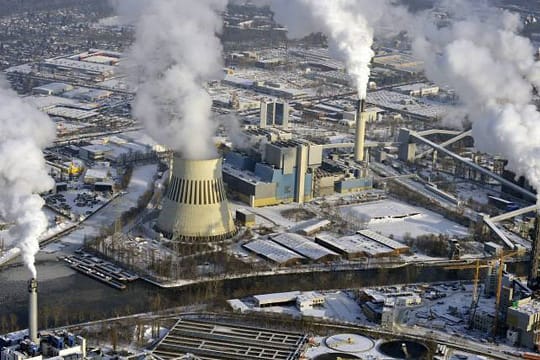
{"points": [[32, 311]]}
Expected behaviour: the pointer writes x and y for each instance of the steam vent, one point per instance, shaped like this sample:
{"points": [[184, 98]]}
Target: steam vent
{"points": [[195, 206]]}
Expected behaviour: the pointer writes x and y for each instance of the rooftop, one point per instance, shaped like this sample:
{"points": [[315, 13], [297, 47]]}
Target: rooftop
{"points": [[303, 246], [273, 251], [211, 340]]}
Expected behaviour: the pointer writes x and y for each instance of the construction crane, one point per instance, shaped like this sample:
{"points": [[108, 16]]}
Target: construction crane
{"points": [[477, 266], [475, 295]]}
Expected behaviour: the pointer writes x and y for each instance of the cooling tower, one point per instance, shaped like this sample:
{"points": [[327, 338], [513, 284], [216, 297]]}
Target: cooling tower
{"points": [[195, 205], [32, 311]]}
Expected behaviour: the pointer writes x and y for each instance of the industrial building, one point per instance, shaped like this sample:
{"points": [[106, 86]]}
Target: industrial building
{"points": [[274, 113], [94, 65], [523, 320], [285, 171], [365, 243], [214, 340], [35, 345], [283, 176], [305, 247], [300, 299], [51, 345], [195, 205], [276, 253]]}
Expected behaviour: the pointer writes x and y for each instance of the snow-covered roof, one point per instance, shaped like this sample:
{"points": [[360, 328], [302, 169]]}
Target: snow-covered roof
{"points": [[303, 246], [273, 251]]}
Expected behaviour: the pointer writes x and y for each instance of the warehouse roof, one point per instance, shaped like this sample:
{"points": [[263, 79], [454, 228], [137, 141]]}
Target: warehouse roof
{"points": [[356, 244], [381, 239], [273, 251], [276, 298], [303, 246], [71, 113]]}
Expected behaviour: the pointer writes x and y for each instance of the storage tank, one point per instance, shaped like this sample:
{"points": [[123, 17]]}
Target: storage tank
{"points": [[404, 349], [195, 205]]}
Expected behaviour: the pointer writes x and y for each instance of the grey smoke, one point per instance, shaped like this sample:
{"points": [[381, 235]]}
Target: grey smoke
{"points": [[24, 132], [176, 51]]}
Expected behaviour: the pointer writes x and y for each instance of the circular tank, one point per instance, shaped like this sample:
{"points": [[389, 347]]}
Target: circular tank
{"points": [[349, 343], [195, 205], [404, 349], [336, 356]]}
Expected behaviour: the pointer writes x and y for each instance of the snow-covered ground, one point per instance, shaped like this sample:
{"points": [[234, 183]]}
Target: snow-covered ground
{"points": [[141, 181], [391, 217], [479, 194]]}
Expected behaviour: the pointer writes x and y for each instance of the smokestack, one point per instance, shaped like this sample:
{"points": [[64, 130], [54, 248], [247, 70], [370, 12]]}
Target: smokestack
{"points": [[360, 131], [32, 311]]}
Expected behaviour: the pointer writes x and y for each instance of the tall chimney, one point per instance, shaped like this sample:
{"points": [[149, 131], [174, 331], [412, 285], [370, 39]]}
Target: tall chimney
{"points": [[32, 311], [360, 131]]}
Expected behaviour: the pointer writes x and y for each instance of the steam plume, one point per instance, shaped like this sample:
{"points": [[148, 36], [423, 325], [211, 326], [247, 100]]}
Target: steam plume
{"points": [[492, 69], [24, 132], [349, 33], [175, 52], [348, 24]]}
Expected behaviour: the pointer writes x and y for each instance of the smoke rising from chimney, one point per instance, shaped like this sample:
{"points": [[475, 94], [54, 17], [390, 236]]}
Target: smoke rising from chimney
{"points": [[176, 51], [24, 132], [350, 36], [478, 52]]}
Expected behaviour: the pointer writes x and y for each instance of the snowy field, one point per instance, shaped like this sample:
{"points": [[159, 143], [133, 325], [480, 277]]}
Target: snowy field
{"points": [[477, 193], [391, 217]]}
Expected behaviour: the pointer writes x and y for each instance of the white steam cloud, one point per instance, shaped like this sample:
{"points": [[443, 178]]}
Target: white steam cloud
{"points": [[492, 69], [176, 51], [24, 132], [479, 53], [348, 24], [349, 33]]}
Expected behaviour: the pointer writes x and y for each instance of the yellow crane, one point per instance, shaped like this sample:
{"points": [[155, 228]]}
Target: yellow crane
{"points": [[477, 266]]}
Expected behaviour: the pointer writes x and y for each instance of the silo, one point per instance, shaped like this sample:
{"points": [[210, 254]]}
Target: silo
{"points": [[195, 206]]}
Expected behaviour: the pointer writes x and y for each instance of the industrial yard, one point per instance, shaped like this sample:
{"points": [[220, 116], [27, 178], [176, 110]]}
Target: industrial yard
{"points": [[269, 188]]}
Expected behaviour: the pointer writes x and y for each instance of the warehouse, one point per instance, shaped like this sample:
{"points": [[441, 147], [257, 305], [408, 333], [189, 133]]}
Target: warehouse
{"points": [[210, 340], [305, 247], [355, 246], [276, 299], [386, 241], [274, 252]]}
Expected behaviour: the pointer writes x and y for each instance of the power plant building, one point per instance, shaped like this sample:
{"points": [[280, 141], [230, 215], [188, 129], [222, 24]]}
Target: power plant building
{"points": [[285, 170], [274, 114], [283, 176], [34, 345], [195, 206]]}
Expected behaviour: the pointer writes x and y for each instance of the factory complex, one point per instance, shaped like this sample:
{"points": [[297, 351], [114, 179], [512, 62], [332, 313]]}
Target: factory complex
{"points": [[196, 183]]}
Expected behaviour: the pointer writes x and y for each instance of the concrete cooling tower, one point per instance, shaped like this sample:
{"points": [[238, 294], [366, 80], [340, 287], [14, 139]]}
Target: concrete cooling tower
{"points": [[195, 205]]}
